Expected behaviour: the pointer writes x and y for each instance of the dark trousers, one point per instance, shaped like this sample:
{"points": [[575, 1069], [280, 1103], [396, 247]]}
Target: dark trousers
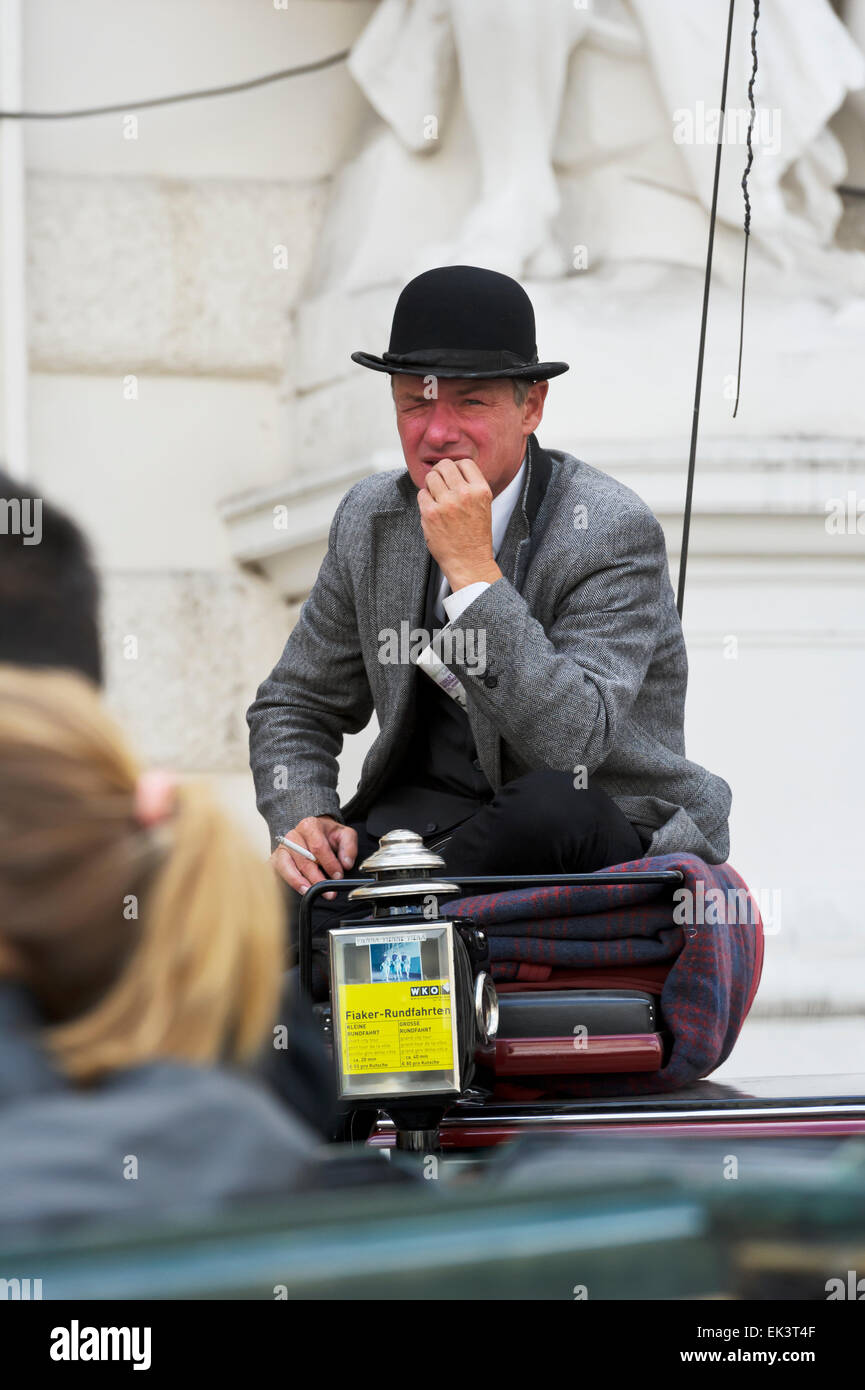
{"points": [[537, 824]]}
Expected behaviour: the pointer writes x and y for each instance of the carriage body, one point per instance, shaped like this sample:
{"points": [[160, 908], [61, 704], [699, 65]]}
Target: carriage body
{"points": [[552, 1083]]}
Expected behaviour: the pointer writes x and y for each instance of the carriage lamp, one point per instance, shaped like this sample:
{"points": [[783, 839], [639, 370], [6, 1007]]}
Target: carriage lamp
{"points": [[412, 1002]]}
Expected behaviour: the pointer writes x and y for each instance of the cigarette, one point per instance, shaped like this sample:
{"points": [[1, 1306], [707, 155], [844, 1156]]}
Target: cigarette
{"points": [[298, 849]]}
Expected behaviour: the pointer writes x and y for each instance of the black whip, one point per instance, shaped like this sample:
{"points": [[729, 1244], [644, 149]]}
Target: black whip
{"points": [[695, 425], [747, 224]]}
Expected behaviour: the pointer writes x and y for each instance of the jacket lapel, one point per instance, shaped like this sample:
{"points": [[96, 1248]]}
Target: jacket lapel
{"points": [[513, 561], [398, 579]]}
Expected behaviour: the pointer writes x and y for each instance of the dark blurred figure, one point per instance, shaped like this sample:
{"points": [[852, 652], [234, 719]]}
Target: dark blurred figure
{"points": [[49, 618], [49, 593], [148, 934]]}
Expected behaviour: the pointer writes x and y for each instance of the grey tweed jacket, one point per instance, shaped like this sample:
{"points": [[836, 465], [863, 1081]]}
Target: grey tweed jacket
{"points": [[585, 663]]}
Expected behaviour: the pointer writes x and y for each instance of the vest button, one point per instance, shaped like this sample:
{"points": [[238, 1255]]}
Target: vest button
{"points": [[491, 682], [476, 763]]}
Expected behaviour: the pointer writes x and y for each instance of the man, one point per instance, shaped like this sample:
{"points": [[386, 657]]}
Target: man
{"points": [[544, 730]]}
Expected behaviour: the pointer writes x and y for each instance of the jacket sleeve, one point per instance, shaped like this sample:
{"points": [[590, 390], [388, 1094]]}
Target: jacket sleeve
{"points": [[317, 692], [561, 696]]}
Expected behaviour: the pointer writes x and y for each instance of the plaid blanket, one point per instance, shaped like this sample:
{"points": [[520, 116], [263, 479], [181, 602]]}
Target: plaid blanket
{"points": [[704, 939]]}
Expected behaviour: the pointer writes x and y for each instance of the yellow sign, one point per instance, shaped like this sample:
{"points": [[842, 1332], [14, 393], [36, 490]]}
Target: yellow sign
{"points": [[396, 1027]]}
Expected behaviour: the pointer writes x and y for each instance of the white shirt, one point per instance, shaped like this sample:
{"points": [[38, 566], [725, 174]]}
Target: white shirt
{"points": [[502, 510]]}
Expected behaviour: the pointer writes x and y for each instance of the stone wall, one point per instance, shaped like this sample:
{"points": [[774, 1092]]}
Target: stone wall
{"points": [[166, 254]]}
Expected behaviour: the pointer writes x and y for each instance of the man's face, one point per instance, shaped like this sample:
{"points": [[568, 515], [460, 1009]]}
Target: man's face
{"points": [[457, 419]]}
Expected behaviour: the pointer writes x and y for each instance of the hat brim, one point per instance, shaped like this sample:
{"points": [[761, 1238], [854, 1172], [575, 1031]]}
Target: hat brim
{"points": [[533, 371]]}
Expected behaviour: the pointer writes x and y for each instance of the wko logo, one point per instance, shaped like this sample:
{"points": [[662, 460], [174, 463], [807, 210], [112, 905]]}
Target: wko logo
{"points": [[424, 989]]}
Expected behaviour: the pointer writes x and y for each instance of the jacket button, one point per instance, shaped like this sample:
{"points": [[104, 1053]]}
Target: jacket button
{"points": [[491, 682], [431, 825], [476, 764]]}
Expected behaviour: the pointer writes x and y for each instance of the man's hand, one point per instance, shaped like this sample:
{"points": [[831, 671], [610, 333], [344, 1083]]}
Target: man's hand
{"points": [[333, 844], [456, 516]]}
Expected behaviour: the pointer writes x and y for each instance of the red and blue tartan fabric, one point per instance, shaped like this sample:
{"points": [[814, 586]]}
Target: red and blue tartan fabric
{"points": [[708, 932]]}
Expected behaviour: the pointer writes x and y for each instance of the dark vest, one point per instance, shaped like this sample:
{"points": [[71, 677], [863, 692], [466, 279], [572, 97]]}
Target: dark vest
{"points": [[439, 781]]}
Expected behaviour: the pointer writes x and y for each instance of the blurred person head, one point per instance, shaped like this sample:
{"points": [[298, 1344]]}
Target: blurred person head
{"points": [[137, 917], [49, 592]]}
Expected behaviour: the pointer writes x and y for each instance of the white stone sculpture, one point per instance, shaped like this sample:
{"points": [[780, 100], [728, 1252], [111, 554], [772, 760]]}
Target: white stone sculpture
{"points": [[550, 137]]}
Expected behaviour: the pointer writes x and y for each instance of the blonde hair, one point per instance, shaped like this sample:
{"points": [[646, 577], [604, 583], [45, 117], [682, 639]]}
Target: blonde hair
{"points": [[137, 943]]}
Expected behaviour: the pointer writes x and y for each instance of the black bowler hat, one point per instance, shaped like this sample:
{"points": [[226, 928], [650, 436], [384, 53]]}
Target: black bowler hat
{"points": [[462, 321]]}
